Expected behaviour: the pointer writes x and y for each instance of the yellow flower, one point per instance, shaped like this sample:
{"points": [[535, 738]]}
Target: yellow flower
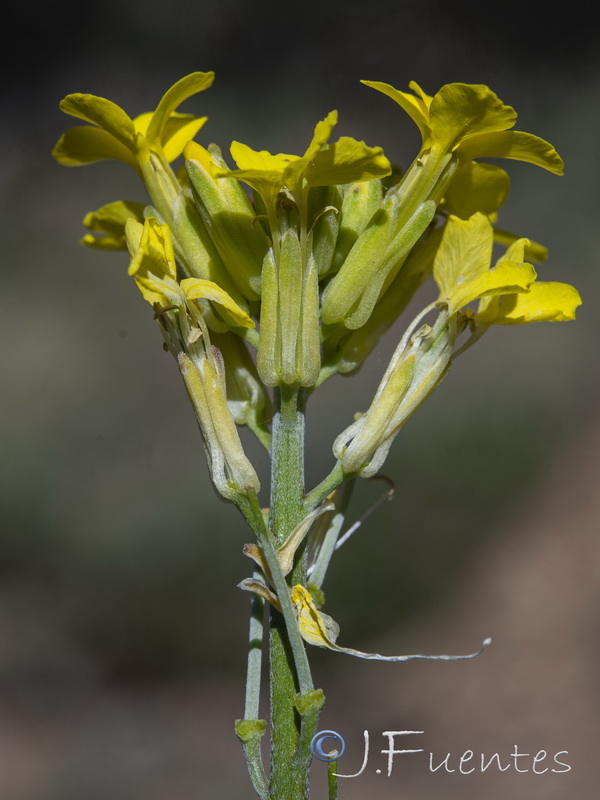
{"points": [[109, 221], [113, 134], [472, 122], [463, 274], [345, 161], [154, 271]]}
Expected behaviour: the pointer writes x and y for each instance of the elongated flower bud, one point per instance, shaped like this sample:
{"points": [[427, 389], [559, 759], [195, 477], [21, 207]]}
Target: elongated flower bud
{"points": [[247, 397], [228, 217], [374, 260], [361, 201], [324, 203], [231, 472], [413, 373], [289, 349]]}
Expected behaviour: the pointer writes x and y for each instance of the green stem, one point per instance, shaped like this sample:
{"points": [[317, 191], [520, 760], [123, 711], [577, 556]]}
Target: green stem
{"points": [[327, 548], [255, 643], [320, 492], [287, 510], [332, 780]]}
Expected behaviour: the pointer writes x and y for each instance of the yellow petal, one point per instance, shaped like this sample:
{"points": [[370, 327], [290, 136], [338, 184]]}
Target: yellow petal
{"points": [[322, 134], [178, 131], [321, 630], [260, 169], [412, 105], [84, 144], [133, 234], [462, 109], [533, 250], [103, 113], [184, 88], [347, 161], [110, 220], [545, 302], [465, 253], [423, 99], [112, 217], [196, 288], [153, 261], [517, 145], [505, 277], [477, 187], [316, 628]]}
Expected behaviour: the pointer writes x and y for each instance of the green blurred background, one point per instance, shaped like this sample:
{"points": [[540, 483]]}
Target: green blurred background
{"points": [[122, 634]]}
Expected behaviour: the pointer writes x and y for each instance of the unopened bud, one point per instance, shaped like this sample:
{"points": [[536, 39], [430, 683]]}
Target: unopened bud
{"points": [[289, 348], [413, 373], [229, 218], [231, 471]]}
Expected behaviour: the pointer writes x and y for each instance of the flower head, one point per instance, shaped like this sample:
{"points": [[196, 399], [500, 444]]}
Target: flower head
{"points": [[472, 122], [154, 271], [344, 161], [113, 134]]}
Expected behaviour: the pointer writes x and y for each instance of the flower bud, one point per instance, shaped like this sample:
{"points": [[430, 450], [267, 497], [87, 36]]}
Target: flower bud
{"points": [[361, 201], [231, 471], [229, 218], [323, 211], [381, 249], [247, 397], [413, 373], [289, 348], [347, 349]]}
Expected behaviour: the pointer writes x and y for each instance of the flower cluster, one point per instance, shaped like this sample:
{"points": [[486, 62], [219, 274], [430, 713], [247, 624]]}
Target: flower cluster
{"points": [[298, 281]]}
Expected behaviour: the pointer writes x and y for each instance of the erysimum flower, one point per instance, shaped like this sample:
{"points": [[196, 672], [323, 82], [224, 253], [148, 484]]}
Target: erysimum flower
{"points": [[472, 122], [113, 134], [344, 161], [153, 269]]}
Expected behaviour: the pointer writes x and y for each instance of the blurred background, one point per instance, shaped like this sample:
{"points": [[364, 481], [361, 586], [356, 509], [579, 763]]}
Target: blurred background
{"points": [[122, 633]]}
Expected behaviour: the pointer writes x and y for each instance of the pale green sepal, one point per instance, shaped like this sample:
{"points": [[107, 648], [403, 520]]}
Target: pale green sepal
{"points": [[324, 203], [545, 302], [228, 218], [247, 397], [268, 358], [364, 259], [416, 368], [290, 290], [393, 257], [84, 144], [309, 703], [196, 250], [357, 455], [180, 91], [517, 145], [104, 114], [361, 200], [309, 343], [247, 729], [231, 472]]}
